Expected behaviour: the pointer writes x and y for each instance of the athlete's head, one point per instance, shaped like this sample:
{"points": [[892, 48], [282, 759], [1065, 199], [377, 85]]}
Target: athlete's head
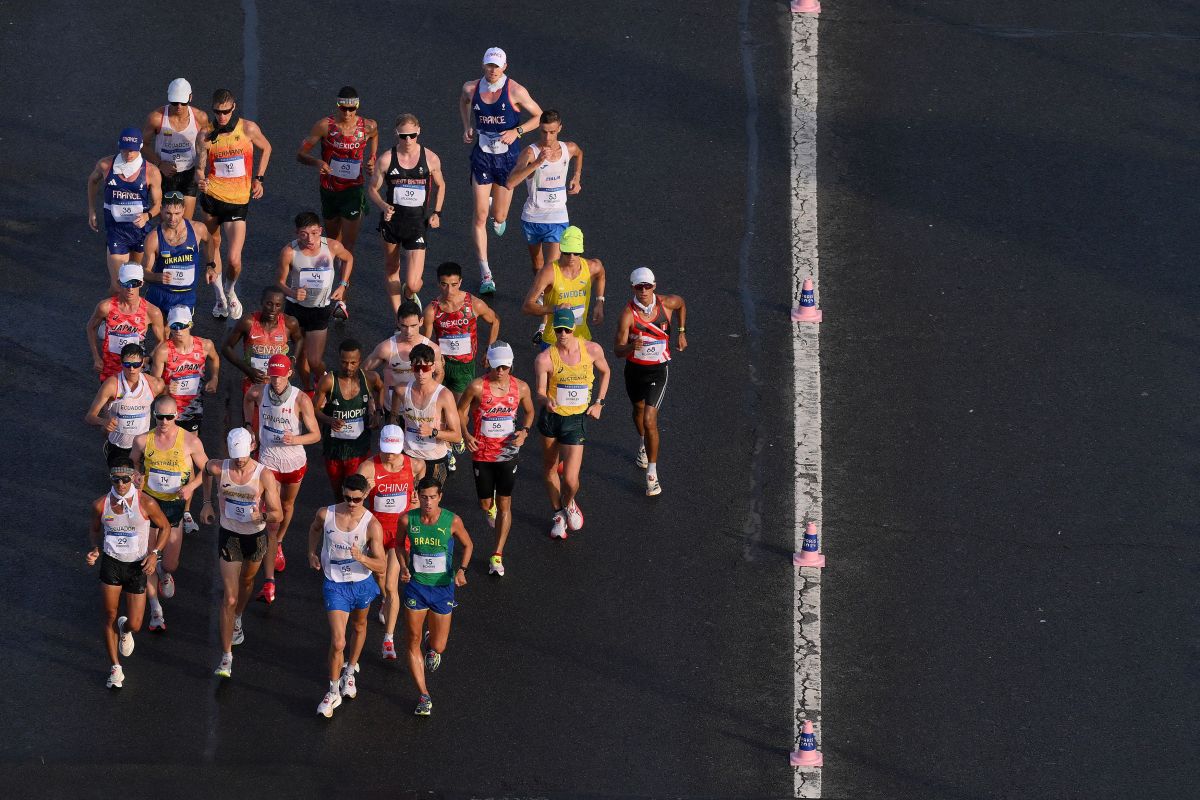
{"points": [[179, 320], [354, 489], [494, 63], [449, 277], [500, 356], [165, 411], [271, 304], [133, 358], [130, 278], [347, 100], [564, 323], [308, 229], [421, 359], [279, 370], [429, 492], [223, 104], [349, 356], [121, 473], [408, 320], [643, 283], [550, 124], [571, 244], [172, 209], [407, 126], [239, 442]]}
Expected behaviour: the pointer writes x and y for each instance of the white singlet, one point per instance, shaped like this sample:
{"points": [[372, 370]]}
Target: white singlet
{"points": [[339, 565], [126, 532], [547, 187], [131, 410], [416, 445], [274, 420], [312, 273], [178, 147], [239, 503], [399, 371]]}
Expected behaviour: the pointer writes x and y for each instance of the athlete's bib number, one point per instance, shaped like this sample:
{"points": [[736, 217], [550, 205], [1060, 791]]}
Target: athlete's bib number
{"points": [[391, 503], [578, 312], [232, 167], [117, 341], [345, 169], [352, 429], [186, 387], [133, 423], [459, 345], [498, 427], [650, 350], [490, 143], [165, 482], [316, 278], [408, 195], [184, 160], [121, 543], [259, 361], [125, 212], [429, 565], [179, 277], [552, 198], [239, 510], [272, 435], [571, 395]]}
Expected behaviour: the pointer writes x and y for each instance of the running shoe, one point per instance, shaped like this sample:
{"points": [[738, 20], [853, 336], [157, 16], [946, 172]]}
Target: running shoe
{"points": [[383, 613], [558, 525], [491, 513], [267, 593], [280, 561], [235, 305], [225, 668], [496, 565], [346, 685], [239, 635], [158, 624], [125, 642], [116, 678], [499, 227], [220, 309], [166, 585], [653, 487], [332, 700], [389, 650], [433, 659], [574, 516], [459, 448], [452, 462], [340, 311], [642, 461], [487, 286], [424, 706], [189, 524]]}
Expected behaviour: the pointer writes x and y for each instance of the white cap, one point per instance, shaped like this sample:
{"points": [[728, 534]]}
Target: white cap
{"points": [[641, 275], [239, 442], [130, 272], [500, 354], [391, 439], [179, 314], [180, 91], [496, 56]]}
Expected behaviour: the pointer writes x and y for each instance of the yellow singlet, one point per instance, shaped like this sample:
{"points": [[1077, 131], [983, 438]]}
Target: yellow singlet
{"points": [[576, 294], [230, 162], [570, 384], [166, 470]]}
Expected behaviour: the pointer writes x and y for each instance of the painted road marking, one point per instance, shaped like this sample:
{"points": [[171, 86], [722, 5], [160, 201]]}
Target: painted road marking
{"points": [[807, 377]]}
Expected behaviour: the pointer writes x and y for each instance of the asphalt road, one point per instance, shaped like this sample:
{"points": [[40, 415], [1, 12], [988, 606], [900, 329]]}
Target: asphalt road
{"points": [[648, 656]]}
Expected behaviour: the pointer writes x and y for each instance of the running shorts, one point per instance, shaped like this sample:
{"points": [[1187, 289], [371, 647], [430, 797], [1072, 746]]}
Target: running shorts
{"points": [[570, 429], [295, 476], [126, 574], [345, 204], [352, 596], [408, 232], [237, 547], [338, 469], [222, 211], [495, 477], [493, 167], [310, 319], [182, 182], [438, 599], [459, 375], [112, 452], [165, 299], [543, 232], [646, 384], [125, 237], [172, 510]]}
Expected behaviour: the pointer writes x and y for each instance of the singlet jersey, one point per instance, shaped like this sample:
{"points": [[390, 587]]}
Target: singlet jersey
{"points": [[547, 187], [455, 331], [184, 374], [416, 445], [392, 493], [230, 166], [339, 565], [180, 261], [166, 470], [354, 439], [574, 293], [399, 370], [570, 384], [312, 273], [125, 199], [262, 343], [274, 420], [495, 422], [239, 503], [177, 146], [408, 188], [344, 155], [131, 410], [126, 531], [655, 331], [432, 555], [122, 328], [492, 119]]}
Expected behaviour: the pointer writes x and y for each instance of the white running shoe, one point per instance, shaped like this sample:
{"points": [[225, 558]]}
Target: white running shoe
{"points": [[225, 668], [239, 634], [125, 642], [332, 700], [166, 585], [340, 311], [642, 460], [158, 623], [574, 516], [346, 685], [116, 677], [558, 525], [496, 565], [653, 487], [189, 524], [235, 305], [220, 309]]}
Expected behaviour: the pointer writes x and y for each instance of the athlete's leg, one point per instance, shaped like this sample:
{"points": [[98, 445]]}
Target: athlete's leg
{"points": [[171, 552], [550, 450], [337, 643], [111, 597], [414, 624], [414, 275], [649, 431], [550, 253], [639, 415], [358, 621], [391, 273], [572, 458], [235, 236], [115, 260], [189, 206], [312, 368], [231, 573], [439, 631], [535, 256], [503, 521], [348, 234], [333, 228], [275, 533], [501, 200], [480, 195], [391, 594], [135, 609], [213, 225], [246, 583]]}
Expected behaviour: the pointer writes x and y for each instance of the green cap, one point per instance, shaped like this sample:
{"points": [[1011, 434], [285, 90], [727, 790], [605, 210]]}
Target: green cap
{"points": [[572, 240], [564, 317]]}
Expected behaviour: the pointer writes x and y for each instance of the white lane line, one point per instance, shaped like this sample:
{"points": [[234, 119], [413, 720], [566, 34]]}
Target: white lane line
{"points": [[807, 377]]}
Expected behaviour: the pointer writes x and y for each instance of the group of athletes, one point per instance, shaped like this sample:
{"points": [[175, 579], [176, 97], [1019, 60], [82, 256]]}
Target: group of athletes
{"points": [[386, 533]]}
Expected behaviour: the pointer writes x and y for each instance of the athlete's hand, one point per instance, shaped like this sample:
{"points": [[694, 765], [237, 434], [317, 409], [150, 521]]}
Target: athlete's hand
{"points": [[144, 222], [682, 342], [92, 221], [551, 405], [258, 376], [202, 181], [470, 441], [111, 426], [301, 293], [576, 187], [356, 552], [286, 438], [324, 168], [314, 561], [92, 555], [210, 274], [468, 136], [256, 189], [509, 136], [460, 577], [425, 430], [186, 492], [149, 563], [97, 364], [167, 168], [405, 576], [207, 515], [337, 424], [388, 213], [435, 220], [542, 157], [338, 293], [369, 165], [166, 278], [594, 407], [598, 313], [210, 386], [519, 438]]}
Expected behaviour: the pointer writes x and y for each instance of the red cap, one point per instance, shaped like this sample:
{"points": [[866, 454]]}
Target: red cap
{"points": [[279, 366]]}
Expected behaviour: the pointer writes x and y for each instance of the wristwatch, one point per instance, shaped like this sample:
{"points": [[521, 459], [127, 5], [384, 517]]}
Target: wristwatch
{"points": [[260, 178], [600, 402], [434, 432], [157, 553], [523, 428]]}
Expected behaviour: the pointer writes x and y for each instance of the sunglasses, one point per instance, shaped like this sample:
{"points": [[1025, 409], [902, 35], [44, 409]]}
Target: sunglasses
{"points": [[131, 364], [407, 135], [180, 326], [641, 287], [564, 330], [131, 284], [353, 499], [161, 417], [173, 196], [120, 478], [223, 111], [422, 367]]}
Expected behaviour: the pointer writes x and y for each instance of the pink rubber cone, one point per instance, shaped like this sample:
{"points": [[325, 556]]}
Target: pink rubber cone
{"points": [[808, 755], [806, 7], [809, 555], [807, 311]]}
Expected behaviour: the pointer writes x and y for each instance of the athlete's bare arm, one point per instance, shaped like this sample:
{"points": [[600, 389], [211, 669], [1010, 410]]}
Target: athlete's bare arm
{"points": [[439, 187], [427, 319], [214, 366], [377, 560], [676, 304], [158, 520], [154, 181], [158, 360], [196, 452], [541, 283], [212, 470], [308, 420], [470, 395], [150, 129], [94, 531], [376, 183], [417, 465], [600, 364], [202, 159], [526, 407], [340, 253], [488, 315], [156, 324], [598, 282], [272, 508], [371, 129], [522, 101], [624, 344], [315, 531], [256, 135], [527, 162], [104, 396], [281, 275], [374, 389], [149, 256], [576, 185], [295, 335], [464, 110], [137, 454], [367, 470], [228, 348], [450, 422], [321, 396], [318, 132], [94, 180], [541, 376], [250, 401], [99, 314], [459, 532]]}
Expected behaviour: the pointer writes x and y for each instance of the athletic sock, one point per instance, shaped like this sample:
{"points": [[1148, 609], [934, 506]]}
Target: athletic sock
{"points": [[229, 656], [333, 686], [652, 469], [485, 272], [155, 607], [389, 637]]}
